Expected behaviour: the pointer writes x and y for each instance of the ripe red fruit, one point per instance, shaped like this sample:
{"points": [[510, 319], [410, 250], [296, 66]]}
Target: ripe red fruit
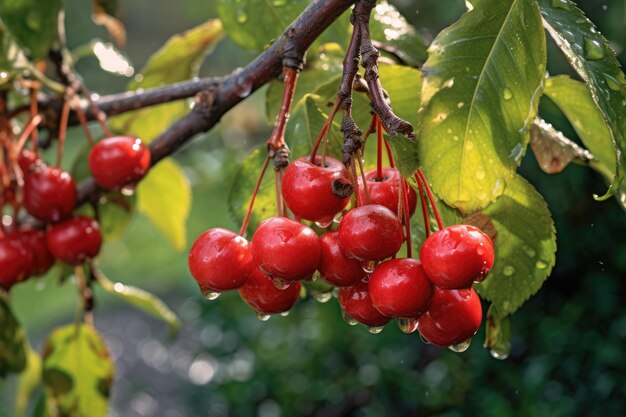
{"points": [[28, 160], [400, 288], [34, 241], [220, 260], [118, 161], [386, 190], [457, 256], [316, 193], [15, 262], [75, 240], [356, 303], [49, 194], [285, 249], [334, 267], [260, 293], [453, 317], [370, 233]]}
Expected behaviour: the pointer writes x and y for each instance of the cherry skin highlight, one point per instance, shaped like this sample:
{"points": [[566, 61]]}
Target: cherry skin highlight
{"points": [[28, 160], [457, 256], [386, 190], [15, 262], [356, 303], [75, 240], [314, 192], [260, 293], [334, 267], [453, 317], [399, 288], [49, 194], [370, 233], [118, 161], [285, 249], [220, 260]]}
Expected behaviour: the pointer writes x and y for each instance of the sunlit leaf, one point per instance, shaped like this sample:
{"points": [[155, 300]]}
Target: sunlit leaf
{"points": [[164, 196], [482, 82], [12, 342], [77, 371], [252, 24], [28, 382], [179, 59], [33, 23], [524, 248], [574, 99], [592, 57], [143, 300]]}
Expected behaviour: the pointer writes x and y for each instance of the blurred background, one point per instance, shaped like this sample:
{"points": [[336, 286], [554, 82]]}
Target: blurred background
{"points": [[568, 351]]}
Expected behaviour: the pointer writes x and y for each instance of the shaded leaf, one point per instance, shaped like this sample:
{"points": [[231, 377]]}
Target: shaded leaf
{"points": [[498, 333], [164, 196], [592, 57], [574, 99], [179, 59], [404, 154], [104, 14], [33, 23], [524, 249], [12, 342], [553, 150], [77, 371], [482, 83], [252, 24], [143, 300]]}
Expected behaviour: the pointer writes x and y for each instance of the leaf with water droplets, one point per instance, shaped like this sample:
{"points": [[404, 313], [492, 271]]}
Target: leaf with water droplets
{"points": [[524, 248], [592, 57], [498, 333], [482, 83], [252, 24], [574, 99]]}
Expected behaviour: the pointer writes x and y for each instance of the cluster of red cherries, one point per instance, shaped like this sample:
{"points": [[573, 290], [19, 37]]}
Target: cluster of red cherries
{"points": [[433, 295], [31, 241]]}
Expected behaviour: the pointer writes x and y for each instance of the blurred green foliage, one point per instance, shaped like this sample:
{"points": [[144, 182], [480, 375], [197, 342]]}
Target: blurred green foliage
{"points": [[568, 344]]}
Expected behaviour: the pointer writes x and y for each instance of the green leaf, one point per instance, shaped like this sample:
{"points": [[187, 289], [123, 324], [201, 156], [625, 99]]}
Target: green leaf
{"points": [[574, 99], [391, 28], [12, 342], [524, 247], [143, 300], [77, 371], [178, 60], [481, 88], [33, 23], [404, 154], [592, 57], [29, 380], [498, 333], [164, 195], [252, 24]]}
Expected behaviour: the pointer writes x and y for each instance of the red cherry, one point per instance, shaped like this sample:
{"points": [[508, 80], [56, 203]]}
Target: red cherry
{"points": [[118, 161], [34, 241], [260, 293], [453, 317], [357, 304], [28, 160], [220, 260], [15, 262], [285, 249], [75, 240], [370, 233], [400, 288], [386, 190], [316, 193], [49, 194], [335, 268], [457, 256]]}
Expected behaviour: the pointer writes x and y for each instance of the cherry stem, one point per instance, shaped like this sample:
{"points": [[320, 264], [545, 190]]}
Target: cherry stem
{"points": [[82, 118], [431, 197], [359, 156], [400, 199], [280, 202], [407, 218], [100, 115], [34, 111], [84, 309], [244, 225], [353, 179], [277, 138], [325, 130], [28, 130], [65, 113], [392, 163], [379, 160], [424, 206]]}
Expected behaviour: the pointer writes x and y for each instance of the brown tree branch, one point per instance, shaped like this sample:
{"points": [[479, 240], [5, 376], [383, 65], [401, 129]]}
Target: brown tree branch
{"points": [[218, 95]]}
